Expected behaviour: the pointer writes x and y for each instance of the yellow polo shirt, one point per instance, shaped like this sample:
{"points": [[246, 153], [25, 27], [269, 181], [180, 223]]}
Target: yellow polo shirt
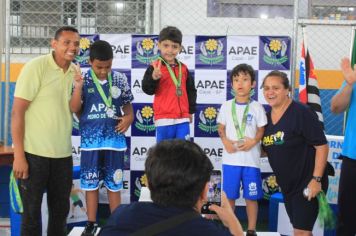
{"points": [[48, 120]]}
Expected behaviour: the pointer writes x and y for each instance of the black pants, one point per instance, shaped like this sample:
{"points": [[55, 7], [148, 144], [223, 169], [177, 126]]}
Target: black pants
{"points": [[55, 176], [347, 198]]}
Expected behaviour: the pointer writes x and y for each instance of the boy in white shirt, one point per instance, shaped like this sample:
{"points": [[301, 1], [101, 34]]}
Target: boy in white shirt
{"points": [[241, 124]]}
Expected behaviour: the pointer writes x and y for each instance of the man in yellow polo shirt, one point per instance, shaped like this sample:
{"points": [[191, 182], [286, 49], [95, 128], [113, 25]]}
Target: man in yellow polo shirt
{"points": [[41, 131]]}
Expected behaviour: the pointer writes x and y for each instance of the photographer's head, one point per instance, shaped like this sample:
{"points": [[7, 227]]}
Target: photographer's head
{"points": [[177, 173]]}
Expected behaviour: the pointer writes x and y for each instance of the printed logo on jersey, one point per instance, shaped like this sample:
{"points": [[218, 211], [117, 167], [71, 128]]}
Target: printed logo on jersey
{"points": [[249, 119], [274, 139], [252, 189], [275, 52], [117, 177]]}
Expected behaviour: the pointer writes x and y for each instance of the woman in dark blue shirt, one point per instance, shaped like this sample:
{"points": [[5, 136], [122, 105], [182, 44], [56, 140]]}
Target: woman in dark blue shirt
{"points": [[297, 150]]}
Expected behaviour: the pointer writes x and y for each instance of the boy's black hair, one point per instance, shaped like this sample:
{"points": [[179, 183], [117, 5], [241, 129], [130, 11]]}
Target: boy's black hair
{"points": [[244, 68], [170, 33], [59, 31], [177, 172], [283, 76], [100, 50]]}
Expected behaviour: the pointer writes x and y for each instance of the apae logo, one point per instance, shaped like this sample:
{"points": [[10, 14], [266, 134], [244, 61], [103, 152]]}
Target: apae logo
{"points": [[207, 120], [239, 50], [211, 51], [252, 189], [84, 44], [210, 152], [270, 186], [144, 118], [187, 50], [147, 50], [121, 49], [274, 139], [275, 52]]}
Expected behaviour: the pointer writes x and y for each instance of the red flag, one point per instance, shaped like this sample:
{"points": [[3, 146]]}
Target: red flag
{"points": [[302, 77], [308, 84]]}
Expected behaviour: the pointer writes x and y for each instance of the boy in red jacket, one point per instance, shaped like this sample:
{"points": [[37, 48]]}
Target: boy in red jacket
{"points": [[175, 94]]}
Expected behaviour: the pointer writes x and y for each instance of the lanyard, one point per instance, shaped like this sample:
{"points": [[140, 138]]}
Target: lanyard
{"points": [[240, 132], [15, 198], [177, 82], [107, 100]]}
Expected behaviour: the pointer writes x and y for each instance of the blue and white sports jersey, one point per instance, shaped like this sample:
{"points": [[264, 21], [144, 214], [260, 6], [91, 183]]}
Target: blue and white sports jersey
{"points": [[97, 130]]}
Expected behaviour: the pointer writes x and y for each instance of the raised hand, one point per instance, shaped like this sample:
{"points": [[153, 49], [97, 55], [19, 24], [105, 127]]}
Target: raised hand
{"points": [[348, 72], [157, 74], [78, 79]]}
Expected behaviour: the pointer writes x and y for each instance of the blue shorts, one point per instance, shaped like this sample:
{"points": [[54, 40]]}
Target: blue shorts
{"points": [[180, 131], [250, 177], [99, 165]]}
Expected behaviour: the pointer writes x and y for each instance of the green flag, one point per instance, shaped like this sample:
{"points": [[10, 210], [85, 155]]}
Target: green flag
{"points": [[353, 49]]}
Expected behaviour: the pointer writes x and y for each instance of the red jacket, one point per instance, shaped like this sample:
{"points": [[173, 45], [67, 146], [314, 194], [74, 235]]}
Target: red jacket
{"points": [[166, 104]]}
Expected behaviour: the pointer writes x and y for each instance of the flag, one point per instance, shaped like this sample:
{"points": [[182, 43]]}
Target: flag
{"points": [[353, 49], [308, 83]]}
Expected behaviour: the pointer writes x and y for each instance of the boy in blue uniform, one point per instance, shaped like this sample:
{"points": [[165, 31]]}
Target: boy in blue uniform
{"points": [[103, 97]]}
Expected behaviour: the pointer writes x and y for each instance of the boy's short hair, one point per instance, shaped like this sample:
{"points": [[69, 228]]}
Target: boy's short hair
{"points": [[59, 31], [100, 50], [170, 33], [245, 68]]}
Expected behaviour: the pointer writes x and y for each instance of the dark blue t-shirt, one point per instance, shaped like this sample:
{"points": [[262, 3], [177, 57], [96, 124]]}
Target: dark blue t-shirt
{"points": [[127, 219], [289, 145]]}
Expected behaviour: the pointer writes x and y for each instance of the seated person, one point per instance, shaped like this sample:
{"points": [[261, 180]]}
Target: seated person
{"points": [[178, 172]]}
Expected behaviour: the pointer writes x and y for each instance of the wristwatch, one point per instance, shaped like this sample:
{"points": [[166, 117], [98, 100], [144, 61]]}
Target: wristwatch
{"points": [[317, 178]]}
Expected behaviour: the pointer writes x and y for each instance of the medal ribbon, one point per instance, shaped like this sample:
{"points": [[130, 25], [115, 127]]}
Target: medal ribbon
{"points": [[106, 100], [177, 82], [240, 132], [15, 198]]}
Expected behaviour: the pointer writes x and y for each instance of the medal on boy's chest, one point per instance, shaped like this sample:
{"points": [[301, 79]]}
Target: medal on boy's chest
{"points": [[176, 81], [240, 130], [179, 91], [110, 112]]}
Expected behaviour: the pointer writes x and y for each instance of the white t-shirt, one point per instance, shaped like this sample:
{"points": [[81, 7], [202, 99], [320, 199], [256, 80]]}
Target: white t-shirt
{"points": [[256, 118]]}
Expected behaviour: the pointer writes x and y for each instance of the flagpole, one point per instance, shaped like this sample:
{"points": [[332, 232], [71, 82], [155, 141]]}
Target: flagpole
{"points": [[294, 45], [353, 29], [304, 36]]}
